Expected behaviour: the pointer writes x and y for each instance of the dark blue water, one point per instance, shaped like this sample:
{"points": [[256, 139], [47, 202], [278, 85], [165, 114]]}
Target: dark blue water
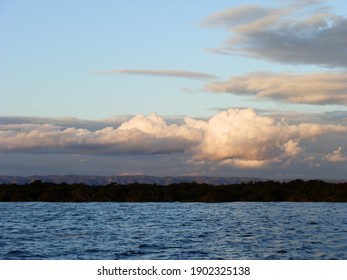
{"points": [[173, 231]]}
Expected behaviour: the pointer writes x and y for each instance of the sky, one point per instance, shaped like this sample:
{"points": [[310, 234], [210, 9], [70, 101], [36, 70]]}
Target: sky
{"points": [[174, 88]]}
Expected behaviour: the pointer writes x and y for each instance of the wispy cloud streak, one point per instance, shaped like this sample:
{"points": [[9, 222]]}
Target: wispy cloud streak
{"points": [[315, 88], [160, 72]]}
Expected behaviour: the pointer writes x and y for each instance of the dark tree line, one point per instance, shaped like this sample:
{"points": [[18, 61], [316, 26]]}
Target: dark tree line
{"points": [[297, 190]]}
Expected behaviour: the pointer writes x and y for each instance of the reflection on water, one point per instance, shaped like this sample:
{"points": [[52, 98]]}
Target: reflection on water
{"points": [[173, 231]]}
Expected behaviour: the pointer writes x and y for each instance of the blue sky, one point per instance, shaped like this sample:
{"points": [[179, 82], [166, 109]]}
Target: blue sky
{"points": [[54, 49], [70, 65]]}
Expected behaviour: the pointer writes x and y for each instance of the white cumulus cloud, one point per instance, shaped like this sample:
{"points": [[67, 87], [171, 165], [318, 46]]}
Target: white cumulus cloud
{"points": [[237, 137], [242, 138], [335, 156]]}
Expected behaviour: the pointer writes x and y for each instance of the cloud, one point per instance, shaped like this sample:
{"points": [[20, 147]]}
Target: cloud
{"points": [[247, 164], [63, 122], [140, 134], [300, 33], [240, 137], [148, 135], [314, 88], [292, 148], [335, 156], [236, 137], [246, 18], [161, 72]]}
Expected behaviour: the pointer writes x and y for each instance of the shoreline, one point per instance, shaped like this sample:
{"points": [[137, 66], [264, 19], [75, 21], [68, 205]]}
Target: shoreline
{"points": [[266, 191]]}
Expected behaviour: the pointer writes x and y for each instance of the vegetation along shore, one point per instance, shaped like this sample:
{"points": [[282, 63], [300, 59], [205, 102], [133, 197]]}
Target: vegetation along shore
{"points": [[295, 191]]}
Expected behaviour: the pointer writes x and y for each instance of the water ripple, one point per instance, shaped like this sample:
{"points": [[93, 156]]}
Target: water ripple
{"points": [[173, 231]]}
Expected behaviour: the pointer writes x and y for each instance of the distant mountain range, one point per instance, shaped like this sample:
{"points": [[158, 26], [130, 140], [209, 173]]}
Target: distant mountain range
{"points": [[126, 180]]}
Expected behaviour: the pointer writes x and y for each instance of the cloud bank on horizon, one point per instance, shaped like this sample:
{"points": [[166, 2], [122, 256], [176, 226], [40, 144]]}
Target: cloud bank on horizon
{"points": [[237, 137]]}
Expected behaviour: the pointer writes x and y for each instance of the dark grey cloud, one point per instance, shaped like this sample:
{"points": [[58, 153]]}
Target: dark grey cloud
{"points": [[301, 33]]}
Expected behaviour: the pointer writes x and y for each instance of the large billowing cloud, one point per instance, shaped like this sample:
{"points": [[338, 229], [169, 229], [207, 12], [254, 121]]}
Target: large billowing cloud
{"points": [[301, 33], [160, 72], [237, 137], [314, 88], [243, 138]]}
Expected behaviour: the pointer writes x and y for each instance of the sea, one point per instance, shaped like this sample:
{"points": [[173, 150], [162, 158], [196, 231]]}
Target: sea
{"points": [[176, 231]]}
